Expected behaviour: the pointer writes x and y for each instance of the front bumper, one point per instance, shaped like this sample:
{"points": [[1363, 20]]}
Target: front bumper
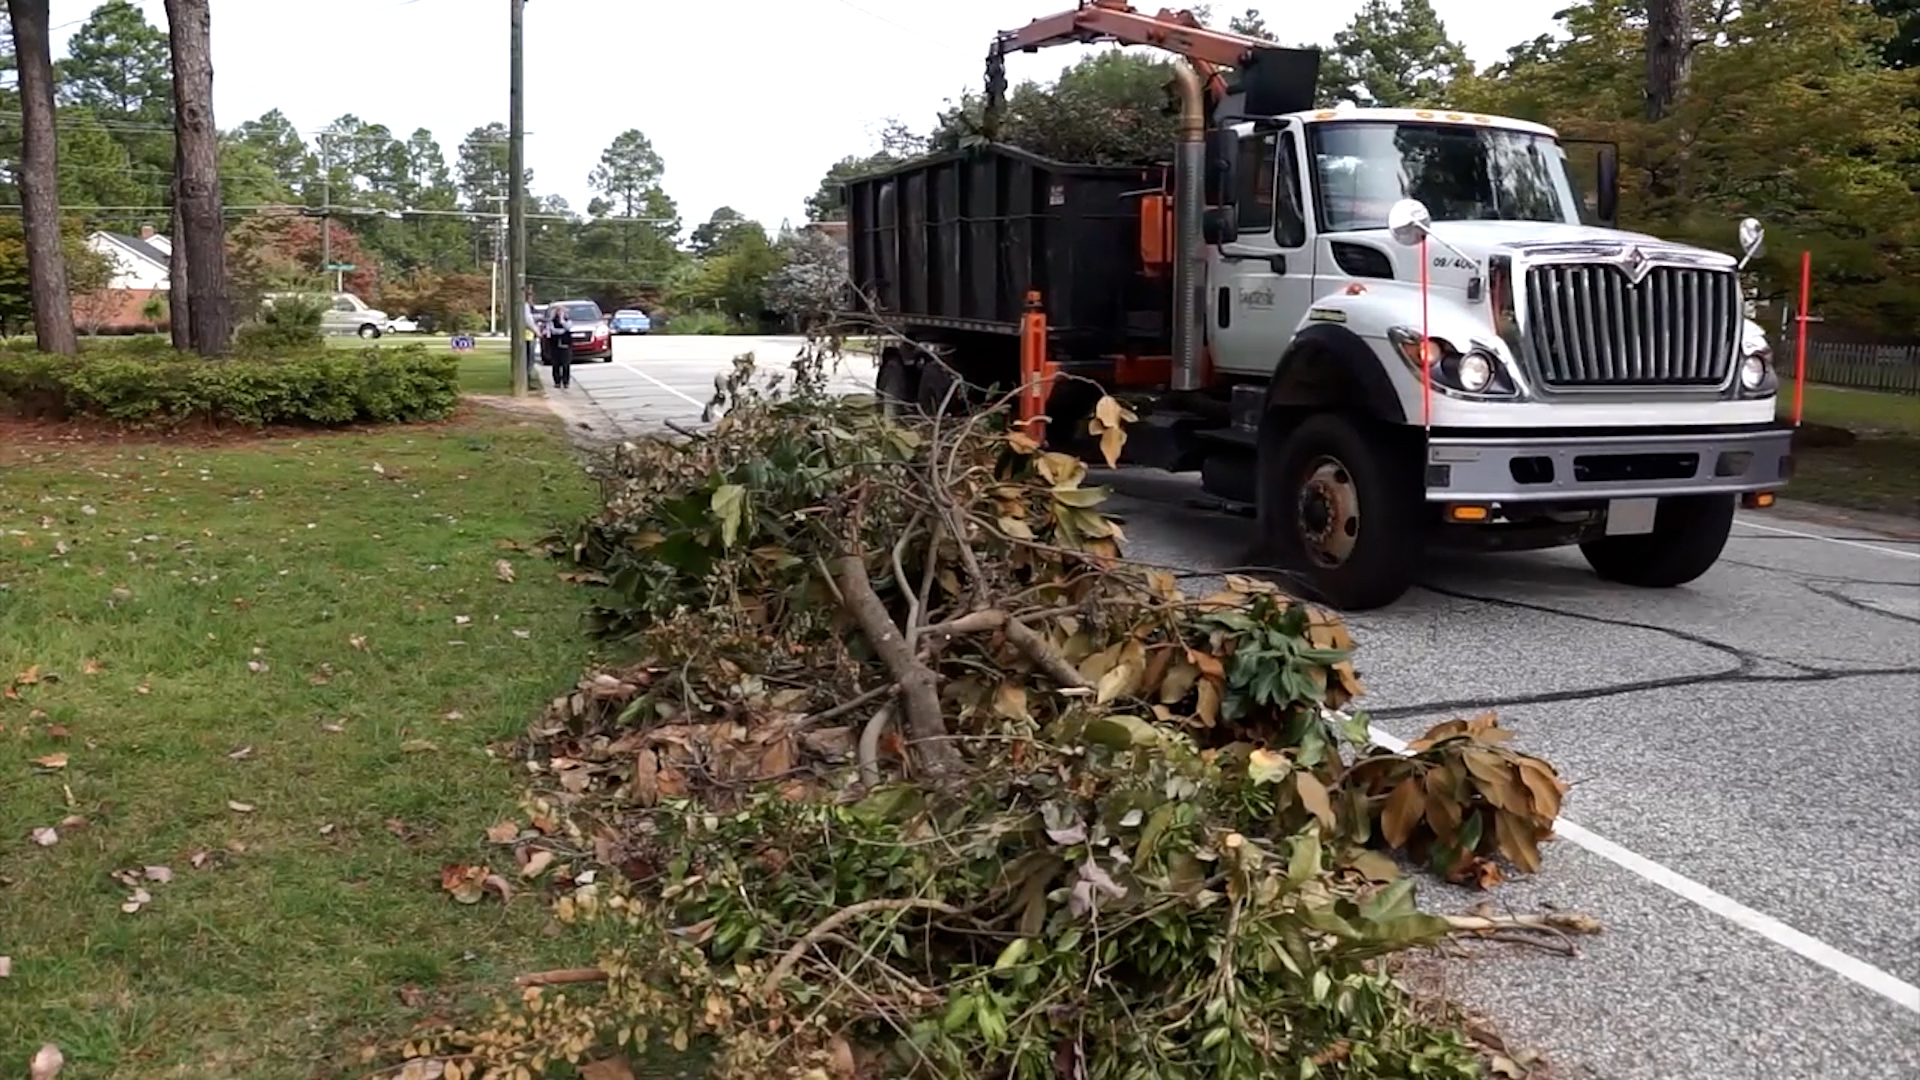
{"points": [[1464, 466]]}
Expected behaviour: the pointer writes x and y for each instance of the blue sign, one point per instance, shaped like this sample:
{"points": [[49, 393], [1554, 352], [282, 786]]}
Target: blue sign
{"points": [[462, 343]]}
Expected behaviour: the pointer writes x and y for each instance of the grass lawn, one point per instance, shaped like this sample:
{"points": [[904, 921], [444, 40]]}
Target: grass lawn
{"points": [[271, 669], [1880, 471]]}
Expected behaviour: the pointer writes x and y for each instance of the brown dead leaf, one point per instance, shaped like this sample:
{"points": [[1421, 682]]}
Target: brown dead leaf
{"points": [[327, 829], [503, 570], [358, 642], [58, 731], [136, 900], [333, 728], [45, 836], [6, 967], [419, 746], [28, 677], [240, 807], [613, 1068], [1314, 796], [1403, 811], [537, 864], [258, 667], [504, 832], [574, 780], [47, 1062], [198, 858], [52, 761], [241, 754], [91, 666], [466, 883], [159, 875]]}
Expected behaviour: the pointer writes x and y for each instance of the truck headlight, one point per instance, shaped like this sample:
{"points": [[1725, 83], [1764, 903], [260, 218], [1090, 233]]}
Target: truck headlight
{"points": [[1477, 372], [1757, 378]]}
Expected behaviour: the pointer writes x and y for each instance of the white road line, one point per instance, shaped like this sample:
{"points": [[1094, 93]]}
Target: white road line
{"points": [[1842, 541], [677, 393], [1884, 983]]}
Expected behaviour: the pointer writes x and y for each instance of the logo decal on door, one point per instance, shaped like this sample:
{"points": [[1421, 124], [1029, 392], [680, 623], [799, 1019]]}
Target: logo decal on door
{"points": [[1256, 298]]}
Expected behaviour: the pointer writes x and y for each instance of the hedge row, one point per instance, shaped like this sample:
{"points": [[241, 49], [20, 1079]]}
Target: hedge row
{"points": [[146, 387]]}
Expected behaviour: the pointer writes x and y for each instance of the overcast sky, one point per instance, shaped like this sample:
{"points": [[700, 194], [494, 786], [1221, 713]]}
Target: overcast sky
{"points": [[748, 101]]}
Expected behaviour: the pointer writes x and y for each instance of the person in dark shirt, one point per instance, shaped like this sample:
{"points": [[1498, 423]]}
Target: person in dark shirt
{"points": [[560, 327]]}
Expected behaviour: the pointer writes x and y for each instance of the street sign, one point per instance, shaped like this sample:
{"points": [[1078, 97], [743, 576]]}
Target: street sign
{"points": [[462, 343], [340, 267]]}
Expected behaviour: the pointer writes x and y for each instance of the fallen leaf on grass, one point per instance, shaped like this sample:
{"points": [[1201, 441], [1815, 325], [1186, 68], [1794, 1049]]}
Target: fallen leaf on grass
{"points": [[358, 642], [58, 731], [136, 900], [47, 1062], [92, 667], [6, 967], [419, 746], [503, 570], [45, 836], [51, 761], [240, 807], [454, 714], [469, 884], [327, 829], [198, 859], [159, 875], [28, 677], [333, 729], [258, 667], [537, 864], [461, 620], [504, 832], [613, 1068], [523, 634], [241, 754]]}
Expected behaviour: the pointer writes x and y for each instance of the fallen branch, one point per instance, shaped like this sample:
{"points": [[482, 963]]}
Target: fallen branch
{"points": [[852, 704], [561, 977], [870, 746], [919, 690], [1555, 926], [834, 922], [1023, 637]]}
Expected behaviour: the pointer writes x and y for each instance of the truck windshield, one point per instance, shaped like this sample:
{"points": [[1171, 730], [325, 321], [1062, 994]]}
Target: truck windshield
{"points": [[1461, 173]]}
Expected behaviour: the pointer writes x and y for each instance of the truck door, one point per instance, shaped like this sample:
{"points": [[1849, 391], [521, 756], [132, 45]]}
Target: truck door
{"points": [[1259, 287]]}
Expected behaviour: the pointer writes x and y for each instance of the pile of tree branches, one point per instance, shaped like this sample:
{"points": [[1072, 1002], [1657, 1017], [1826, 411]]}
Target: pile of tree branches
{"points": [[914, 774]]}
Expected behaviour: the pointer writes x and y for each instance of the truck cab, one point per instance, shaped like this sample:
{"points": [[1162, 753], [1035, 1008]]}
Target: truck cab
{"points": [[1429, 339]]}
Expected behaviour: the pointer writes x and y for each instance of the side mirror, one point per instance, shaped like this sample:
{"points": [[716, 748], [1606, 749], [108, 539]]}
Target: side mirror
{"points": [[1221, 225], [1223, 165], [1408, 222], [1753, 239], [1606, 196]]}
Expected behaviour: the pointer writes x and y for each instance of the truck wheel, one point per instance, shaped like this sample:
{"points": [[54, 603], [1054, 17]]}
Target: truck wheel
{"points": [[896, 385], [1689, 532], [936, 380], [1342, 504]]}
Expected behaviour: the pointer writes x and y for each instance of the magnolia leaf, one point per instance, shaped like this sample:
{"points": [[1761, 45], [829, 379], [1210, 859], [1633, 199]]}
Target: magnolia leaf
{"points": [[1010, 701], [1515, 843], [1022, 443], [1266, 766], [1373, 865], [1208, 706], [1178, 682], [729, 503], [1015, 528], [1078, 497], [1120, 732], [1303, 863], [1314, 796], [1112, 441], [1402, 813], [1120, 681]]}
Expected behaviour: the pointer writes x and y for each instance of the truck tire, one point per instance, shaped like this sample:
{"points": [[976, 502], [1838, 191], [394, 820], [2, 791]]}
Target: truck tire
{"points": [[896, 385], [936, 380], [1316, 481], [1689, 532]]}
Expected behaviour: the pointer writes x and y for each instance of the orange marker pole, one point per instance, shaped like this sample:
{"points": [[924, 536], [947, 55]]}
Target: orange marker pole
{"points": [[1800, 346], [1426, 343]]}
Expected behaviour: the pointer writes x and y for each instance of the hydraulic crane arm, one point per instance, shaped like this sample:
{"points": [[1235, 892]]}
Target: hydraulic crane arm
{"points": [[1280, 71]]}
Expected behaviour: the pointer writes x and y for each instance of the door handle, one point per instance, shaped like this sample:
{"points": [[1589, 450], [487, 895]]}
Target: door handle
{"points": [[1223, 307]]}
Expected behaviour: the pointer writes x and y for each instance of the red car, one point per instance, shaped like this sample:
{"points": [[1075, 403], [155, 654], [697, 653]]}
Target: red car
{"points": [[592, 338]]}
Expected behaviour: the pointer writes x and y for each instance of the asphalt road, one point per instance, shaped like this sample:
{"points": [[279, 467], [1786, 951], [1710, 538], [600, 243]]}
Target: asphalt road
{"points": [[1745, 754]]}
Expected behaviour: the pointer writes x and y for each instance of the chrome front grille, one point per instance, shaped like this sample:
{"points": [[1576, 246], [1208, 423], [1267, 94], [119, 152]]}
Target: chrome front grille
{"points": [[1588, 326]]}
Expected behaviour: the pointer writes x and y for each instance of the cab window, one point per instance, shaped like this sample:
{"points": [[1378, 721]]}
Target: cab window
{"points": [[1290, 225], [1255, 170]]}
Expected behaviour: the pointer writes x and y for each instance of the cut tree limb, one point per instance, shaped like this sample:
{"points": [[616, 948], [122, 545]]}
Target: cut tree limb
{"points": [[834, 922], [1023, 637], [919, 688]]}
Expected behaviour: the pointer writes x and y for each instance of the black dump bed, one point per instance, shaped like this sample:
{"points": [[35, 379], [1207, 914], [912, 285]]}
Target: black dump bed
{"points": [[954, 241]]}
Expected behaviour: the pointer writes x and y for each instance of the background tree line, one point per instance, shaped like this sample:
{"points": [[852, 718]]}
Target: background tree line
{"points": [[422, 227], [1802, 113]]}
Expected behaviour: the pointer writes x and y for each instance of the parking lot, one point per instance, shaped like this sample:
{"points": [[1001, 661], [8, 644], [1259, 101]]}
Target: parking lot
{"points": [[1745, 755]]}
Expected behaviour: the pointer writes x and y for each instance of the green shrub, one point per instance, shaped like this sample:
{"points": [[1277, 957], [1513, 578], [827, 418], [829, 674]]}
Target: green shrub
{"points": [[702, 322], [142, 387], [289, 322]]}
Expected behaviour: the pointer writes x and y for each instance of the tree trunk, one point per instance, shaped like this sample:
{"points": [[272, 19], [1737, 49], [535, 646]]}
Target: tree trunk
{"points": [[197, 142], [179, 274], [1669, 61], [40, 180], [1669, 55]]}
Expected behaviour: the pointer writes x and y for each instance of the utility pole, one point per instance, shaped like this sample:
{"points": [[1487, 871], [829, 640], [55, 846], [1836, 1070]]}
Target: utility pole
{"points": [[517, 198], [326, 208]]}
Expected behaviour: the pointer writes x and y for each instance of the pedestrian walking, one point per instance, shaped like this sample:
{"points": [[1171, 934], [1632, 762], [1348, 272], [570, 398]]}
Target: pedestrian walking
{"points": [[560, 332]]}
